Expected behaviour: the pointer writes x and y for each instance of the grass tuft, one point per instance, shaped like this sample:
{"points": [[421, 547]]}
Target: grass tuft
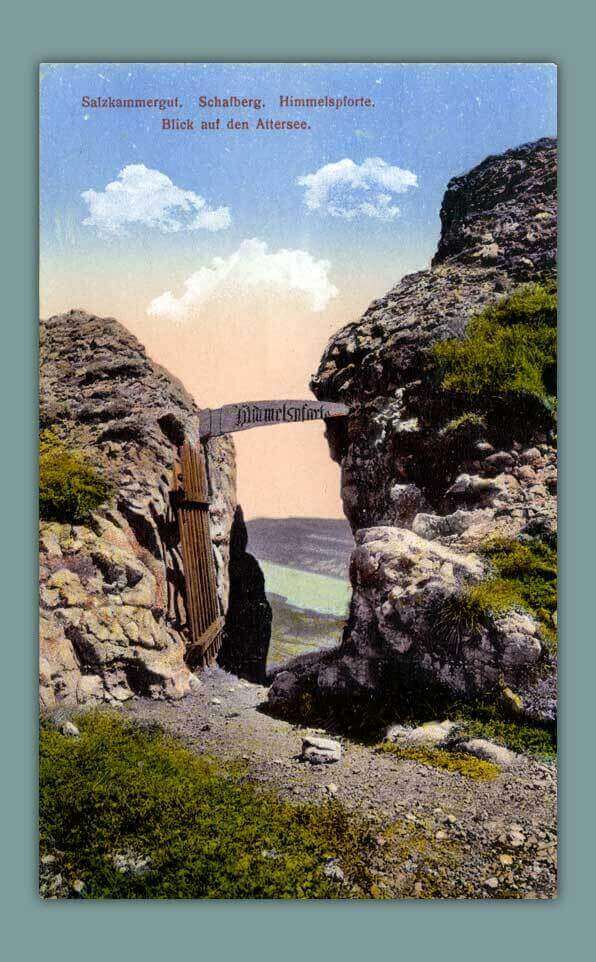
{"points": [[524, 576], [508, 350], [469, 422]]}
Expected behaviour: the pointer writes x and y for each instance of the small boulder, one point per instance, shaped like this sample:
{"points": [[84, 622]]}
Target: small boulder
{"points": [[320, 751], [407, 500], [511, 701], [70, 729], [333, 870], [429, 735], [472, 488], [488, 752], [531, 456], [432, 526], [500, 460]]}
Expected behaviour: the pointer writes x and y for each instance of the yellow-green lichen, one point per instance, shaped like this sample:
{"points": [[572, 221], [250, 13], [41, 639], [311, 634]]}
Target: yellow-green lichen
{"points": [[459, 762]]}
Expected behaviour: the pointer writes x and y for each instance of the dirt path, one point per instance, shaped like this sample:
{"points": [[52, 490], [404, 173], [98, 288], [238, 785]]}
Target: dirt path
{"points": [[438, 832]]}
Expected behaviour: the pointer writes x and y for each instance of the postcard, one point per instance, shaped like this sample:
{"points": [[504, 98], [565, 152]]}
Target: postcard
{"points": [[298, 481]]}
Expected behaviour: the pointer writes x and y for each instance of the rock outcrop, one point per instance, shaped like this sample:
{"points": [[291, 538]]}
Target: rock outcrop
{"points": [[112, 591], [421, 513], [247, 630]]}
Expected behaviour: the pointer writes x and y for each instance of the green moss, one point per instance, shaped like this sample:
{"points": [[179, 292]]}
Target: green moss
{"points": [[522, 738], [459, 762], [469, 422], [489, 718], [206, 831], [508, 350], [70, 487]]}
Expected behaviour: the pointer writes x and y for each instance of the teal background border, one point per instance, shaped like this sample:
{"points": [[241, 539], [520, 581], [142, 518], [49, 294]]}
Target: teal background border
{"points": [[456, 31]]}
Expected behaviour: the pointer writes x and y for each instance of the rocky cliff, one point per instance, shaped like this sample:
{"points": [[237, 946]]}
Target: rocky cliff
{"points": [[112, 589], [440, 488]]}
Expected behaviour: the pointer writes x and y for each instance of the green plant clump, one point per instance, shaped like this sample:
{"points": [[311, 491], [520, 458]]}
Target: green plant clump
{"points": [[523, 738], [528, 570], [459, 762], [198, 829], [70, 488], [468, 421], [509, 350], [524, 575]]}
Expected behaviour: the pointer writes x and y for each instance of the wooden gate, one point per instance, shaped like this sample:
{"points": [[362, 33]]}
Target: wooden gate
{"points": [[191, 496]]}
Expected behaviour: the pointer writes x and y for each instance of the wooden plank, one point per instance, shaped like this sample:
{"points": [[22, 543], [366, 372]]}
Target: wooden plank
{"points": [[203, 614], [208, 636], [200, 540], [259, 414]]}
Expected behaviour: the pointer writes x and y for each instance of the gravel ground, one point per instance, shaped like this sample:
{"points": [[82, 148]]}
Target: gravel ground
{"points": [[438, 834]]}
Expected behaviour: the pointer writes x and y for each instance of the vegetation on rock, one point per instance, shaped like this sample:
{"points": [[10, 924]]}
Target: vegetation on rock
{"points": [[486, 718], [524, 575], [70, 487], [466, 422], [459, 762], [529, 569], [509, 351], [134, 814], [484, 721]]}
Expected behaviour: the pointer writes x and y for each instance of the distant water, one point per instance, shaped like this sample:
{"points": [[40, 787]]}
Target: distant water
{"points": [[316, 545], [311, 592]]}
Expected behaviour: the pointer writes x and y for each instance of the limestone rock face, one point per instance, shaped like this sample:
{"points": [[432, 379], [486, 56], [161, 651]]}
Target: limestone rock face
{"points": [[419, 517], [113, 622]]}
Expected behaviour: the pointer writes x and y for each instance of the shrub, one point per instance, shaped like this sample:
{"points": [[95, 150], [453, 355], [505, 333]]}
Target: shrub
{"points": [[508, 351], [201, 829], [70, 487]]}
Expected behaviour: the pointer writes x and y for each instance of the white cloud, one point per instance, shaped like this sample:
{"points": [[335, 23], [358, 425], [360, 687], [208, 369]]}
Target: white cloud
{"points": [[349, 190], [250, 272], [147, 197]]}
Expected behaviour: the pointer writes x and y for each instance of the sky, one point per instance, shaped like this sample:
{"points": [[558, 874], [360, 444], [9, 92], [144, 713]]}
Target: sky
{"points": [[235, 254]]}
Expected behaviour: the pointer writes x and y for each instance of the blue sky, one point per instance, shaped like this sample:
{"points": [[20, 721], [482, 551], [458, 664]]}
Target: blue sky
{"points": [[232, 272], [434, 120]]}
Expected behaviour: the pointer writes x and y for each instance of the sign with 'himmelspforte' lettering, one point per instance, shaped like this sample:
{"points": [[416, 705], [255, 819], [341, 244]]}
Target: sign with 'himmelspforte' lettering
{"points": [[256, 414]]}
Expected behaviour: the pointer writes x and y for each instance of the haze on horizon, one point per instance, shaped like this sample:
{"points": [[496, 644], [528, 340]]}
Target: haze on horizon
{"points": [[234, 256]]}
